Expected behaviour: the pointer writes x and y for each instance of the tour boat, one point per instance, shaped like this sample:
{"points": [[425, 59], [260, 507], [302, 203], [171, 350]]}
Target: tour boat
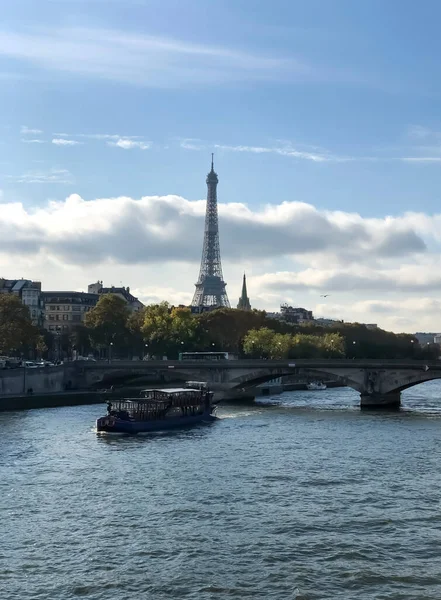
{"points": [[158, 410], [316, 385]]}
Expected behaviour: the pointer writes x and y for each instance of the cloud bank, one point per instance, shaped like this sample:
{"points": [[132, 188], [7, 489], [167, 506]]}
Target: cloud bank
{"points": [[170, 228], [154, 243]]}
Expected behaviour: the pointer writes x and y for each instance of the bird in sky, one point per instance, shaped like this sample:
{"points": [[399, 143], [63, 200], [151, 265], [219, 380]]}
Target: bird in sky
{"points": [[324, 295]]}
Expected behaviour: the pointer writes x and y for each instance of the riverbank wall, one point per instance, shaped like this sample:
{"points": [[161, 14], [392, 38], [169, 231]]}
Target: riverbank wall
{"points": [[49, 400], [40, 380]]}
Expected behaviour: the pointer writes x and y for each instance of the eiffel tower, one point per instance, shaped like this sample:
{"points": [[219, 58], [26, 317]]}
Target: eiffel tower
{"points": [[210, 288]]}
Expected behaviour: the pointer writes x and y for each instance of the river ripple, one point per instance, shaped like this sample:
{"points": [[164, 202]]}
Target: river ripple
{"points": [[307, 498]]}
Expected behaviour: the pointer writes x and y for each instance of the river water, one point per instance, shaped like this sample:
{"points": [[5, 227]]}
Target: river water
{"points": [[308, 498]]}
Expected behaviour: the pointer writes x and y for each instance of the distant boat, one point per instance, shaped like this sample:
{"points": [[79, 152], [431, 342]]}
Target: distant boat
{"points": [[316, 385], [158, 410]]}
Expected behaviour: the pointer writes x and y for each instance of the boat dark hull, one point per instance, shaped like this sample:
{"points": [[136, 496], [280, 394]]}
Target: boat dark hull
{"points": [[114, 425]]}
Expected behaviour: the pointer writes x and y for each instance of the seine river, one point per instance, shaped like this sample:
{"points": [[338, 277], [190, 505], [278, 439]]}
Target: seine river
{"points": [[307, 498]]}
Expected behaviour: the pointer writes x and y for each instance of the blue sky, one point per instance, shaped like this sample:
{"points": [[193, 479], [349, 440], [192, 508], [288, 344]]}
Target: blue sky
{"points": [[334, 104]]}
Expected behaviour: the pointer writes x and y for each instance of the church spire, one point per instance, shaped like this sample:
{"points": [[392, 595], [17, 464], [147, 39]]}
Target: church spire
{"points": [[244, 301]]}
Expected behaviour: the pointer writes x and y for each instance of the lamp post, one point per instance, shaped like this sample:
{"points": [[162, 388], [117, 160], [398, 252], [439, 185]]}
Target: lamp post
{"points": [[58, 342], [145, 351], [110, 351], [332, 347], [23, 364], [353, 344], [413, 346]]}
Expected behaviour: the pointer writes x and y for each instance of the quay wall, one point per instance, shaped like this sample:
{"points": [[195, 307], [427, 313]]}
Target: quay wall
{"points": [[18, 381], [28, 402]]}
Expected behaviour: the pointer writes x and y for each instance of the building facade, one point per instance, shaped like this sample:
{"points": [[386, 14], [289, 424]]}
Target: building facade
{"points": [[133, 304], [290, 314], [30, 295], [323, 322], [65, 310]]}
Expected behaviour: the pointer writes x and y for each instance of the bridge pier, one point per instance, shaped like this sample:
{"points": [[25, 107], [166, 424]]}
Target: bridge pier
{"points": [[375, 401]]}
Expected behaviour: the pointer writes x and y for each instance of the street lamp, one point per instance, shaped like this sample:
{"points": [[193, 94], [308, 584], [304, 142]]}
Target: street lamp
{"points": [[58, 341], [353, 343], [110, 351]]}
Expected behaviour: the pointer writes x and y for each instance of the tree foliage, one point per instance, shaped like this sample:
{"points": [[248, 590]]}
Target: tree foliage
{"points": [[161, 329], [224, 329], [168, 330], [266, 343], [16, 328], [107, 323]]}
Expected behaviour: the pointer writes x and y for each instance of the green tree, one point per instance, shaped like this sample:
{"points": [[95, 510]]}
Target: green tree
{"points": [[185, 330], [16, 329], [224, 329], [281, 345], [157, 328], [79, 339], [168, 330], [107, 323], [259, 343], [135, 323]]}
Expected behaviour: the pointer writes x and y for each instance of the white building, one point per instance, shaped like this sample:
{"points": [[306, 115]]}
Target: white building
{"points": [[30, 295]]}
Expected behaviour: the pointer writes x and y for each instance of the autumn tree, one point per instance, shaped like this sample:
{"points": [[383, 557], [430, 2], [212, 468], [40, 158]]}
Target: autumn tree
{"points": [[135, 323], [259, 343], [168, 331], [265, 343], [225, 328], [107, 323], [16, 329], [79, 339]]}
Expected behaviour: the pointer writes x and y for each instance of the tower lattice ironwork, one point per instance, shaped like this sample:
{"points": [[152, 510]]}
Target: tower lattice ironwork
{"points": [[210, 287]]}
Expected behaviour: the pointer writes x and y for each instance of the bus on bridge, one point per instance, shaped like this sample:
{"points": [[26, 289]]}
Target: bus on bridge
{"points": [[207, 356]]}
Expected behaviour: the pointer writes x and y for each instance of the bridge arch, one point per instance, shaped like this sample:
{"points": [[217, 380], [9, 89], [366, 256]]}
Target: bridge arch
{"points": [[253, 379]]}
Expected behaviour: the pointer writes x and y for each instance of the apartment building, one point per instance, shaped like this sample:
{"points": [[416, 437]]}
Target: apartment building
{"points": [[30, 295], [65, 310], [133, 304]]}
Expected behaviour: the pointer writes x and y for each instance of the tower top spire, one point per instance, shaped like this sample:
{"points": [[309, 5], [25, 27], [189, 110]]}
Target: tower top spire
{"points": [[212, 177], [244, 301]]}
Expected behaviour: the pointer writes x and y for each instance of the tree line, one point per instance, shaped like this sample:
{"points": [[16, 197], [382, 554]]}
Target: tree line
{"points": [[163, 330]]}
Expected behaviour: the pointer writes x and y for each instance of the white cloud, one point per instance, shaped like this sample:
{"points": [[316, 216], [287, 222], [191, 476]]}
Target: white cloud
{"points": [[62, 176], [32, 141], [161, 228], [146, 60], [28, 131], [65, 142], [154, 243], [301, 152], [421, 159], [287, 150], [401, 315], [128, 144], [104, 136], [409, 278], [192, 144]]}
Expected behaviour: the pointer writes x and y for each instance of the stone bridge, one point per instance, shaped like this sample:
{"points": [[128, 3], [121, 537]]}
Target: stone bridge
{"points": [[379, 382]]}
